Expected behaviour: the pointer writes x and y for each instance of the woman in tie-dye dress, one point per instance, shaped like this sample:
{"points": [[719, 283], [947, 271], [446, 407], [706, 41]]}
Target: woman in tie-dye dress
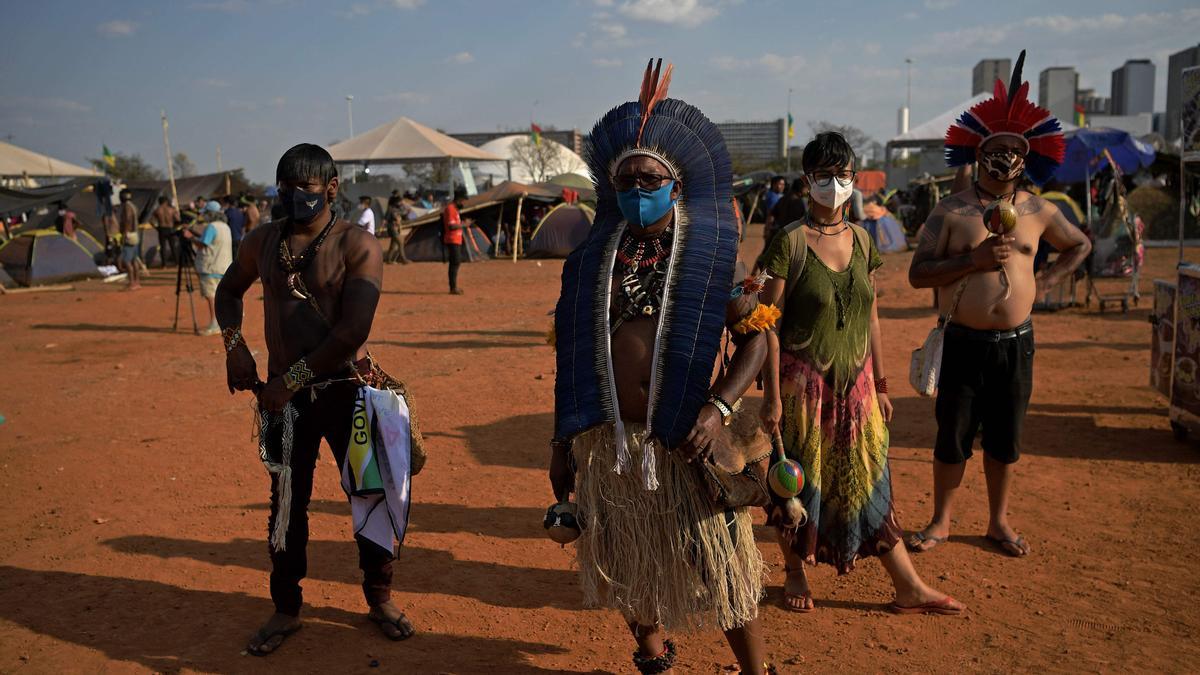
{"points": [[826, 394]]}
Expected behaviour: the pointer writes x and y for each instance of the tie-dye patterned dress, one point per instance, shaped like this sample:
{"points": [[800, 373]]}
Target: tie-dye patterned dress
{"points": [[832, 423]]}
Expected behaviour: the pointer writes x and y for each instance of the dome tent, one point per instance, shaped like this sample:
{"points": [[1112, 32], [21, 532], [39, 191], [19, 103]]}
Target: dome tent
{"points": [[565, 162], [560, 231], [45, 257]]}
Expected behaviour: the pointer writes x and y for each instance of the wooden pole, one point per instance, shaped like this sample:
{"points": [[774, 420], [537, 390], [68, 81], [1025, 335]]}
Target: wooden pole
{"points": [[517, 228], [170, 164], [499, 227]]}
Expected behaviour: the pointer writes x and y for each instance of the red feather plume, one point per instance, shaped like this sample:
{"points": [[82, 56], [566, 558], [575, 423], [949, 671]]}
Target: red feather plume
{"points": [[654, 90]]}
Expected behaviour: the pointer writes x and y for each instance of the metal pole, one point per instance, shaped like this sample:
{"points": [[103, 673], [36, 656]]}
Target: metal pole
{"points": [[170, 164], [1182, 198], [220, 168], [787, 142], [908, 92], [350, 113]]}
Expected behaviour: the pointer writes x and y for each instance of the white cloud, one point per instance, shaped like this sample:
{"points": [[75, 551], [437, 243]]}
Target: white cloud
{"points": [[937, 5], [606, 63], [407, 4], [872, 48], [237, 104], [44, 103], [773, 63], [910, 16], [404, 97], [214, 82], [227, 6], [604, 3], [355, 10], [613, 32], [461, 58], [686, 13], [117, 28], [578, 41], [278, 101]]}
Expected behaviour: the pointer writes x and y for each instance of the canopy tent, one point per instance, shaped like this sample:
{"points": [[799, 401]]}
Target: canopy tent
{"points": [[560, 231], [14, 201], [424, 243], [404, 141], [932, 134], [1086, 154], [17, 162], [45, 257], [566, 161]]}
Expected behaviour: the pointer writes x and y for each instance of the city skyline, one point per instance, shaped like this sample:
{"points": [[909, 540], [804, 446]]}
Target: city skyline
{"points": [[79, 76]]}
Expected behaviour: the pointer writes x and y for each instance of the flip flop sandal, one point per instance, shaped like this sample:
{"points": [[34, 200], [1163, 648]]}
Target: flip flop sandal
{"points": [[914, 542], [787, 597], [947, 606], [264, 637], [397, 637], [1004, 544]]}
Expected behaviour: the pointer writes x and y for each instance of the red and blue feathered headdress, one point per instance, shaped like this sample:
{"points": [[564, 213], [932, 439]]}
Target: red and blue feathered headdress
{"points": [[1009, 112]]}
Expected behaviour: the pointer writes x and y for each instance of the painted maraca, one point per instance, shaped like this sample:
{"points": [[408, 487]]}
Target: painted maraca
{"points": [[786, 477], [562, 522], [1000, 217]]}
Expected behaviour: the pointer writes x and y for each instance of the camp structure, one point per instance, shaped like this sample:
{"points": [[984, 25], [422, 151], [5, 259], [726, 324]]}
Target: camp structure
{"points": [[424, 244], [524, 164], [23, 168], [44, 257], [208, 185], [560, 231], [403, 141], [502, 203], [5, 280]]}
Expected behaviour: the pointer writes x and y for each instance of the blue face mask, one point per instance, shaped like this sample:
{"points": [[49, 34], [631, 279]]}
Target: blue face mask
{"points": [[643, 207], [302, 207]]}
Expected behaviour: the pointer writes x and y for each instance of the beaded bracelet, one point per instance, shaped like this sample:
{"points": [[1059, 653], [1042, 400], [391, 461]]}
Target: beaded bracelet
{"points": [[297, 376], [881, 385], [232, 337], [723, 407]]}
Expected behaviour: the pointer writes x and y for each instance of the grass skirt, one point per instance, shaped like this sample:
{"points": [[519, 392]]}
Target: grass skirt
{"points": [[666, 557]]}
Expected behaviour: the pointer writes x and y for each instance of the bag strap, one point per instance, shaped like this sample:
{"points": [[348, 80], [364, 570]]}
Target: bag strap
{"points": [[798, 243], [958, 292]]}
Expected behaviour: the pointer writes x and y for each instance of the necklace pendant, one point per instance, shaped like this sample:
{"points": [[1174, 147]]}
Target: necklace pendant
{"points": [[292, 283]]}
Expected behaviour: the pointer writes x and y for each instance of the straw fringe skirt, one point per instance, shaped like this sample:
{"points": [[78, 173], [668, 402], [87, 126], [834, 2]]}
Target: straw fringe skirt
{"points": [[665, 557]]}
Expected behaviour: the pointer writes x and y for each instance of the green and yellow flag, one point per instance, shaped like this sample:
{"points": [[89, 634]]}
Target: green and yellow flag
{"points": [[109, 158], [535, 133], [791, 127]]}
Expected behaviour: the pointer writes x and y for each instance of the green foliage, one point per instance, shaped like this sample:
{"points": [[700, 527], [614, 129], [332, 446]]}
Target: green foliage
{"points": [[127, 168]]}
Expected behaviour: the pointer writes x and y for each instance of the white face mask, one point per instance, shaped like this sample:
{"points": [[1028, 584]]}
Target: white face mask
{"points": [[832, 195]]}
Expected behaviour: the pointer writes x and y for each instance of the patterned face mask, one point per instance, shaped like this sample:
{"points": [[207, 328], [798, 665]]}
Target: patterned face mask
{"points": [[1002, 166]]}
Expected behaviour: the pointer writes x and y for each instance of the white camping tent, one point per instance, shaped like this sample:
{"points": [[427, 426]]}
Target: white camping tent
{"points": [[559, 160]]}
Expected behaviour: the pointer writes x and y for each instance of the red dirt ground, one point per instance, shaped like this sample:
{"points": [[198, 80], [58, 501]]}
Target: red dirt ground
{"points": [[132, 522]]}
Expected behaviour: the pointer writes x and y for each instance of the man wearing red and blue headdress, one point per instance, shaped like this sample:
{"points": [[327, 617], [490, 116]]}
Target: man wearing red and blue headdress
{"points": [[977, 248]]}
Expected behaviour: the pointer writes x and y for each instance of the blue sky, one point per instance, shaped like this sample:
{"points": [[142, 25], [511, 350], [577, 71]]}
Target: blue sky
{"points": [[256, 76]]}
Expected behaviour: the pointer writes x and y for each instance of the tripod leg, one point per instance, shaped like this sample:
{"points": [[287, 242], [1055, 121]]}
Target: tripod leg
{"points": [[178, 284], [192, 301]]}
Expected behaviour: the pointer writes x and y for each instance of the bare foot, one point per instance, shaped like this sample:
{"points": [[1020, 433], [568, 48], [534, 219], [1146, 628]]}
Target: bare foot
{"points": [[391, 621], [797, 596], [273, 633]]}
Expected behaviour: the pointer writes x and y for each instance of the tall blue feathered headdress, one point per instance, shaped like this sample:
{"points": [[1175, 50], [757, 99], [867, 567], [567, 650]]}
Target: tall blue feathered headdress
{"points": [[698, 284]]}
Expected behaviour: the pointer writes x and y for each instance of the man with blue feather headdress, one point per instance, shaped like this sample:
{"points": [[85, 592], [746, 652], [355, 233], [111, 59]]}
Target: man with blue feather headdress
{"points": [[662, 483]]}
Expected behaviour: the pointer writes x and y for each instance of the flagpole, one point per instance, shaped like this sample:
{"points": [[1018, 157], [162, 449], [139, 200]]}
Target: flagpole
{"points": [[787, 145], [170, 164]]}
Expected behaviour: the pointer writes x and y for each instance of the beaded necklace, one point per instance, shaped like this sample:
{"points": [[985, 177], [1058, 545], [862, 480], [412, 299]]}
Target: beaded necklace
{"points": [[294, 265], [644, 276]]}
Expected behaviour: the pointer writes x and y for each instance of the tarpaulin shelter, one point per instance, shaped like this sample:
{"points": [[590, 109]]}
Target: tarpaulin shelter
{"points": [[489, 207], [20, 163], [560, 231], [424, 243], [869, 182], [208, 185], [1086, 154], [45, 257]]}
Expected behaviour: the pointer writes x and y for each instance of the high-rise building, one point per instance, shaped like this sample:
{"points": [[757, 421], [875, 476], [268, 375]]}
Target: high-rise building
{"points": [[750, 142], [986, 72], [1175, 65], [1133, 88], [1056, 91], [1091, 103]]}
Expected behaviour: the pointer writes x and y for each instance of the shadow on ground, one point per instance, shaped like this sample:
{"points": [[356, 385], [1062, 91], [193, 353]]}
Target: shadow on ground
{"points": [[166, 628]]}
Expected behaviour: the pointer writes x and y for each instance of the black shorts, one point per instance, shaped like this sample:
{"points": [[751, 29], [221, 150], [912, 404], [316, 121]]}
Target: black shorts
{"points": [[986, 379]]}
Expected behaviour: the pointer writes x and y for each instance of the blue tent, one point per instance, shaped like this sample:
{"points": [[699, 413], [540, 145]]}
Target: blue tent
{"points": [[1085, 151]]}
